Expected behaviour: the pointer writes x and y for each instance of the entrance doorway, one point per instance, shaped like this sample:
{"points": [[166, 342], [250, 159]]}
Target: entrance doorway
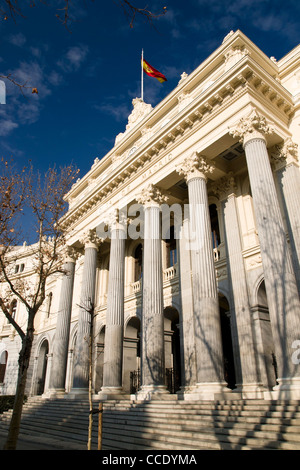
{"points": [[42, 367], [172, 349], [228, 357], [131, 356]]}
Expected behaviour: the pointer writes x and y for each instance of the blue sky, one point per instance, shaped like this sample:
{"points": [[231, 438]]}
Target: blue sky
{"points": [[86, 79]]}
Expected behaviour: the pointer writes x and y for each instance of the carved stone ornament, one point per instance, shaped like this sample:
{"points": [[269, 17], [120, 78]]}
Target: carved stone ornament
{"points": [[90, 239], [183, 76], [151, 195], [140, 110], [195, 166], [224, 186], [252, 126], [116, 219], [286, 152], [70, 254]]}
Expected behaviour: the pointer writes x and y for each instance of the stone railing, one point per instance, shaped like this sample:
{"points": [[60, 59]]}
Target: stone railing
{"points": [[170, 273]]}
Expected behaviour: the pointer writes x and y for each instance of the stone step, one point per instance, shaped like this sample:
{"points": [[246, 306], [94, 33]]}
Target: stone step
{"points": [[198, 440], [166, 425], [198, 422]]}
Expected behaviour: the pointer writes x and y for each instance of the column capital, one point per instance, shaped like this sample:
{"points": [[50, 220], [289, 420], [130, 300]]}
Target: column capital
{"points": [[116, 219], [224, 186], [70, 254], [195, 166], [284, 154], [151, 196], [90, 239], [252, 126]]}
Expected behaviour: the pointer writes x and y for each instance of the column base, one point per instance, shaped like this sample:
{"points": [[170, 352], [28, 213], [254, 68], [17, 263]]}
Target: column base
{"points": [[287, 389], [78, 393], [209, 391], [55, 393], [154, 392], [112, 393], [250, 391]]}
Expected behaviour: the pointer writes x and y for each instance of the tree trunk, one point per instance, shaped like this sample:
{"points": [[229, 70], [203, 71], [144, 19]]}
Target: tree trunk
{"points": [[91, 343], [24, 358]]}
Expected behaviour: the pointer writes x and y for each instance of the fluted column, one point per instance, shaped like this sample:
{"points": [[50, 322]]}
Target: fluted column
{"points": [[280, 281], [61, 339], [114, 329], [207, 327], [250, 385], [284, 158], [87, 298], [153, 356], [189, 373]]}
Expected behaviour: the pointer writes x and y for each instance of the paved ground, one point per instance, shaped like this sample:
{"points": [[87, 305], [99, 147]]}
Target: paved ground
{"points": [[37, 443]]}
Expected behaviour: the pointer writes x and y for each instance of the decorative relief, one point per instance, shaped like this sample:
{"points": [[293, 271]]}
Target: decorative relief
{"points": [[116, 219], [253, 262], [183, 76], [286, 152], [151, 195], [233, 55], [183, 100], [140, 110], [252, 126], [224, 186], [195, 166], [90, 239], [70, 254]]}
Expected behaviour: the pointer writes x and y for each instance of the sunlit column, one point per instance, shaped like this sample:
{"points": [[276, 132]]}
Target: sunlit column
{"points": [[280, 281], [114, 329], [207, 327], [241, 323], [87, 299], [153, 356], [284, 158], [61, 339]]}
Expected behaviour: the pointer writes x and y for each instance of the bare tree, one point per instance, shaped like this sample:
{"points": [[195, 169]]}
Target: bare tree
{"points": [[20, 191]]}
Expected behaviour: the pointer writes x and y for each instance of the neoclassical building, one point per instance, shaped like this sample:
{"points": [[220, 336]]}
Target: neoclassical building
{"points": [[184, 240]]}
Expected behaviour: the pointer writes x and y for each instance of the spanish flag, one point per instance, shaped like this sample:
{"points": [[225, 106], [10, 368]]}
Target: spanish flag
{"points": [[152, 72]]}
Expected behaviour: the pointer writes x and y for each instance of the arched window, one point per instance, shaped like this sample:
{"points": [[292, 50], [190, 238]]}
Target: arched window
{"points": [[3, 362], [138, 269]]}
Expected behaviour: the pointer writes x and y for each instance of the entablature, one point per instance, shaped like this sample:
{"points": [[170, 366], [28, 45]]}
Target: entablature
{"points": [[147, 142]]}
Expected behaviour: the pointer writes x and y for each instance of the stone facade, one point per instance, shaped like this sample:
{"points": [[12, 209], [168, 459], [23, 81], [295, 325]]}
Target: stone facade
{"points": [[185, 239]]}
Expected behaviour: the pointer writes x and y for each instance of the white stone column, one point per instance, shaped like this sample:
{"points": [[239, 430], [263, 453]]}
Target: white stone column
{"points": [[153, 355], [189, 371], [280, 281], [114, 329], [207, 326], [87, 299], [61, 339], [250, 387], [285, 161]]}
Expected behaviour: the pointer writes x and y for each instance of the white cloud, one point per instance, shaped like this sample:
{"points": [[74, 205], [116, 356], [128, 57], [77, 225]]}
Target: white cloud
{"points": [[6, 126], [74, 58], [17, 39]]}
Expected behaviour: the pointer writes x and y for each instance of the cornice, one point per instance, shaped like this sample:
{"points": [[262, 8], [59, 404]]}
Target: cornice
{"points": [[245, 75]]}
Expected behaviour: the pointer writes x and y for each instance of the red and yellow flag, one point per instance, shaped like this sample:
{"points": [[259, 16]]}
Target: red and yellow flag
{"points": [[152, 72]]}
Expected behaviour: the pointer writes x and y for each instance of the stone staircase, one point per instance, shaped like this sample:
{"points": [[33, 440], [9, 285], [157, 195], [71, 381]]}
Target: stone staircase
{"points": [[164, 425]]}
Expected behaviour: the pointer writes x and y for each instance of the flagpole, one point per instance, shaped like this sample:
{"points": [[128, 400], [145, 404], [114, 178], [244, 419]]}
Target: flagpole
{"points": [[142, 76]]}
